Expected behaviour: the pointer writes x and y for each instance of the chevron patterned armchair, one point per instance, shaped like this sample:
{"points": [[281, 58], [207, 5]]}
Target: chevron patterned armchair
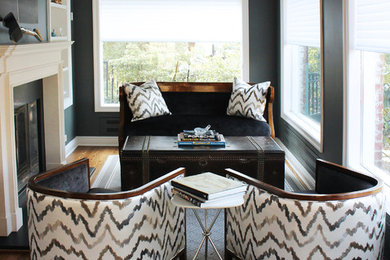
{"points": [[65, 221], [343, 219]]}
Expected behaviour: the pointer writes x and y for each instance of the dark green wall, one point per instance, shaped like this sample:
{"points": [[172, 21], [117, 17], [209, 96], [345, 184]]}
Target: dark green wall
{"points": [[88, 123], [332, 96], [264, 47], [263, 41]]}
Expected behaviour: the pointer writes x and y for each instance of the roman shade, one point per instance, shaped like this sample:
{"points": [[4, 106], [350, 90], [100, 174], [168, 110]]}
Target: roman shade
{"points": [[302, 22], [171, 20], [372, 26]]}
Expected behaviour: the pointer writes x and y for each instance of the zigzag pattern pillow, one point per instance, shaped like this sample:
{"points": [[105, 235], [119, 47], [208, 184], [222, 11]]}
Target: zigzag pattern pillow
{"points": [[146, 100], [248, 101]]}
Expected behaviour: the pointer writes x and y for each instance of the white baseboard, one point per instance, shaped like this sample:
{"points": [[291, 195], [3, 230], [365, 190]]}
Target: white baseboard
{"points": [[70, 147], [304, 176], [97, 140], [90, 141]]}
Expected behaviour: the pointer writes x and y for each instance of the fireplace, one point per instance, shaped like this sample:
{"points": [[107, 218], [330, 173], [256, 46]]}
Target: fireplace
{"points": [[28, 141], [19, 65], [29, 132]]}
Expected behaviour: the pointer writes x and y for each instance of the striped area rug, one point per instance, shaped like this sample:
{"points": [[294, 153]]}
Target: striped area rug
{"points": [[109, 176]]}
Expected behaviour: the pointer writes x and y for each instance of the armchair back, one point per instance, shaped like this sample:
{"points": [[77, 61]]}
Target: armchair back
{"points": [[141, 223], [285, 225]]}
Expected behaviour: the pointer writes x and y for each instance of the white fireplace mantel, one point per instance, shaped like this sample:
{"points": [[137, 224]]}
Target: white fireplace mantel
{"points": [[20, 64]]}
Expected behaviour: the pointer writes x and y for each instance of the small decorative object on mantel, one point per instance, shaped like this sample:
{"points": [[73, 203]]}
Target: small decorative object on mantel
{"points": [[15, 31], [200, 136]]}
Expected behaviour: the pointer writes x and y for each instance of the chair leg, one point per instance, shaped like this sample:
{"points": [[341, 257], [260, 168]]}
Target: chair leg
{"points": [[182, 255], [228, 255]]}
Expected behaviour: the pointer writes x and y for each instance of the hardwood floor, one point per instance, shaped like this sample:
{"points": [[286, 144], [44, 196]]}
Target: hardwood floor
{"points": [[14, 255], [97, 156]]}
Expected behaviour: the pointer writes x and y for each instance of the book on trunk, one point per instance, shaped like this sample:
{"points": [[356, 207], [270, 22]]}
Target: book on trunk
{"points": [[209, 185], [192, 140], [236, 198]]}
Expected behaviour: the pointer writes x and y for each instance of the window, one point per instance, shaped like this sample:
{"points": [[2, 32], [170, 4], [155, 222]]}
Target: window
{"points": [[301, 67], [167, 40], [368, 86]]}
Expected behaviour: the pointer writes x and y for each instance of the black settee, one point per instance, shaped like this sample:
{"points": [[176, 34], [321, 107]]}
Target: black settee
{"points": [[194, 104]]}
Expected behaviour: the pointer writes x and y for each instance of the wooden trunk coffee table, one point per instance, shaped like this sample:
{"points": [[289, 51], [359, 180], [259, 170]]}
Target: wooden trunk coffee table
{"points": [[145, 158]]}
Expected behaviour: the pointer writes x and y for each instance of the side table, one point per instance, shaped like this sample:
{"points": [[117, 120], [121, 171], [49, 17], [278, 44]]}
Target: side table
{"points": [[206, 229]]}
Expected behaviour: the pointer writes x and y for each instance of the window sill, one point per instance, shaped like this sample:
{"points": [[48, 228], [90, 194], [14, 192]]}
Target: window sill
{"points": [[107, 108], [306, 127]]}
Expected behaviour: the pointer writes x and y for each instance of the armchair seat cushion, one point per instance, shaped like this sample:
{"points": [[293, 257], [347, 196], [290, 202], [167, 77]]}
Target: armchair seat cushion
{"points": [[171, 125]]}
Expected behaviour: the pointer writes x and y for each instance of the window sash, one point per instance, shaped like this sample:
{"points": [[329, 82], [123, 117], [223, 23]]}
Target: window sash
{"points": [[291, 37], [360, 17]]}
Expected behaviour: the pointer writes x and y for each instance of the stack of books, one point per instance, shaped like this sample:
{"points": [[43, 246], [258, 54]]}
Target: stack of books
{"points": [[188, 137], [209, 190]]}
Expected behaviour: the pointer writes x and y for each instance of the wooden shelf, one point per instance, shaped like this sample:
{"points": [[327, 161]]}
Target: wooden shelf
{"points": [[59, 38], [59, 16]]}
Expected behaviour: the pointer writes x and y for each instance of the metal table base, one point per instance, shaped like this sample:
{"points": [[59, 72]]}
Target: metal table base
{"points": [[206, 231]]}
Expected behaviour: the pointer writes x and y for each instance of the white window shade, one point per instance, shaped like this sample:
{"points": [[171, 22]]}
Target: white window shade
{"points": [[171, 20], [372, 29], [302, 22]]}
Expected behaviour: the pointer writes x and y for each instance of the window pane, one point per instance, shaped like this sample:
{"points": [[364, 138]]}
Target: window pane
{"points": [[376, 110], [167, 61], [305, 72]]}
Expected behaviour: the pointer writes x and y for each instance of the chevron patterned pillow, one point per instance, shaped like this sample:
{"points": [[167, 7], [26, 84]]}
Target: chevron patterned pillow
{"points": [[146, 100], [248, 101]]}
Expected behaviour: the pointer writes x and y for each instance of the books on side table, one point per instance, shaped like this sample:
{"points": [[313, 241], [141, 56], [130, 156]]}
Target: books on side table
{"points": [[209, 190], [212, 138]]}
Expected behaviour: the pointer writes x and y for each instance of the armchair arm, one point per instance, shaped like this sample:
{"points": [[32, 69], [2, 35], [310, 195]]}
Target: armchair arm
{"points": [[270, 101]]}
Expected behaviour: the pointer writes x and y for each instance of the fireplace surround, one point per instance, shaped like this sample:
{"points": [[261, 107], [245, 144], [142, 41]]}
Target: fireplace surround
{"points": [[20, 64]]}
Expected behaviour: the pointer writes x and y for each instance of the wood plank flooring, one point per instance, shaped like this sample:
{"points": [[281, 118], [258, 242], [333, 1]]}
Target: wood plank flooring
{"points": [[97, 156]]}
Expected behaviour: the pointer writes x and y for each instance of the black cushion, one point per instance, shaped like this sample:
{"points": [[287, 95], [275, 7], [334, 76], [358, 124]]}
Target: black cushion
{"points": [[331, 180], [171, 125], [197, 103], [101, 190]]}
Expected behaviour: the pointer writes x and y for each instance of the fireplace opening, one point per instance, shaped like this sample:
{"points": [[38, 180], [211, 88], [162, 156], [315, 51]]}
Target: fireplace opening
{"points": [[29, 132]]}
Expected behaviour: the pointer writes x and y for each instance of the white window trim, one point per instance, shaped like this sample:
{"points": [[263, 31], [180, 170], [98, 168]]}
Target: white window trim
{"points": [[98, 54], [305, 127], [352, 141]]}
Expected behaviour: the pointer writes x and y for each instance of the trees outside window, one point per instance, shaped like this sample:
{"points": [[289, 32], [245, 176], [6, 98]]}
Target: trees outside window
{"points": [[166, 61]]}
